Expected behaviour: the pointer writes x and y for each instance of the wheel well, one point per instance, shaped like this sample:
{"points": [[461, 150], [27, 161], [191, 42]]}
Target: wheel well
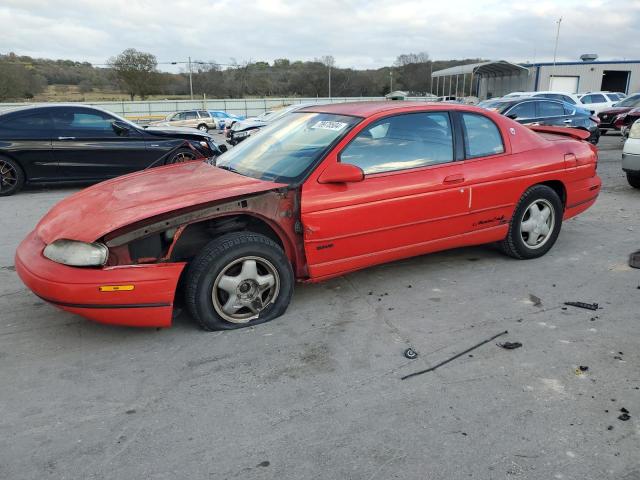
{"points": [[197, 235], [559, 188]]}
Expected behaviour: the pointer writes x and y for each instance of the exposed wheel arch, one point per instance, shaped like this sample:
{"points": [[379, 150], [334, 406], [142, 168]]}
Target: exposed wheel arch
{"points": [[196, 235], [558, 187]]}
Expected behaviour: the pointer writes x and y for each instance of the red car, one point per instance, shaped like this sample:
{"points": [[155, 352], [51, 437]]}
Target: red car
{"points": [[615, 118], [322, 192]]}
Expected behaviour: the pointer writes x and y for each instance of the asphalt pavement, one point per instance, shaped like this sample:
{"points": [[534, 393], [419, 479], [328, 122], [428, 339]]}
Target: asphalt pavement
{"points": [[317, 393]]}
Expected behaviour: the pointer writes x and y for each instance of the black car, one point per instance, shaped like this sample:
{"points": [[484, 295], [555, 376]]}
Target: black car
{"points": [[64, 143], [542, 111]]}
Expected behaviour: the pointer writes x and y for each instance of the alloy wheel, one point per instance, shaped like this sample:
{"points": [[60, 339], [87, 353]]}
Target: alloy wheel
{"points": [[8, 176], [537, 223], [244, 288]]}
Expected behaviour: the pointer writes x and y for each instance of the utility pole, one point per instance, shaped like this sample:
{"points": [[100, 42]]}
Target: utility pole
{"points": [[329, 80], [190, 79], [390, 80], [555, 53]]}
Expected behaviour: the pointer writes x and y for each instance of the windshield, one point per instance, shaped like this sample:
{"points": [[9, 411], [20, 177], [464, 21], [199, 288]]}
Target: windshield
{"points": [[633, 101], [287, 149]]}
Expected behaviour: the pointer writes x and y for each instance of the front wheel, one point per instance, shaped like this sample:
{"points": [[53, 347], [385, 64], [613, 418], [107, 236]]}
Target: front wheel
{"points": [[203, 128], [535, 225], [633, 179], [238, 280]]}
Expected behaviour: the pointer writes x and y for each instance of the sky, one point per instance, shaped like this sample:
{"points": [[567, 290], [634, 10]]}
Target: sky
{"points": [[357, 33]]}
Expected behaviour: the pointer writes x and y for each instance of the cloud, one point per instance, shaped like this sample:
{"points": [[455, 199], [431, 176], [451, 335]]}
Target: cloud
{"points": [[358, 33]]}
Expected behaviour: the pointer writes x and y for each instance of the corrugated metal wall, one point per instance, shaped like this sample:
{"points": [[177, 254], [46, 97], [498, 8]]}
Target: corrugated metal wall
{"points": [[249, 107], [589, 78]]}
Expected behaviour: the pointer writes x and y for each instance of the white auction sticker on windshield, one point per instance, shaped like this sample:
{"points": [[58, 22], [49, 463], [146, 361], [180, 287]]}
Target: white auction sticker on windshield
{"points": [[327, 125]]}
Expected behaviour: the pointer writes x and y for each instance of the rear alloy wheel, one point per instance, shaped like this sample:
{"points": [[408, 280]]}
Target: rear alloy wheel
{"points": [[203, 128], [535, 225], [181, 155], [238, 280], [633, 179], [11, 177]]}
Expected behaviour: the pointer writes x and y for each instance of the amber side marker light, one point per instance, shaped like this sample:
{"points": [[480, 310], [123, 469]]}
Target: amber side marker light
{"points": [[116, 288]]}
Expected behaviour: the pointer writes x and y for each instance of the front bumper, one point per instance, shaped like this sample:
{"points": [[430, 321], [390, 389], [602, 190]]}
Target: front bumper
{"points": [[631, 163], [77, 290]]}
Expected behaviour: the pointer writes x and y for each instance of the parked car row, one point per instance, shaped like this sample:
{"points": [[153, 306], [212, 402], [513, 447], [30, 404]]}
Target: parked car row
{"points": [[540, 110], [75, 143], [203, 120]]}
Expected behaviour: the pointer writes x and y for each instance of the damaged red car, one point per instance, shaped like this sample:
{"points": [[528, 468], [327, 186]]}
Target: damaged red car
{"points": [[324, 191]]}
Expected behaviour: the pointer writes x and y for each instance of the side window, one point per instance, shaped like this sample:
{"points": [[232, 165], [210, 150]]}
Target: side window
{"points": [[400, 142], [481, 136], [83, 120], [586, 99], [522, 111], [550, 109], [29, 125], [612, 97], [190, 115], [567, 99], [597, 98], [568, 110], [203, 114]]}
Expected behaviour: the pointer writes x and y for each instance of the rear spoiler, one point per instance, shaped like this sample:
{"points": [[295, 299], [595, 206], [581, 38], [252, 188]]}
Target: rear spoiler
{"points": [[576, 133]]}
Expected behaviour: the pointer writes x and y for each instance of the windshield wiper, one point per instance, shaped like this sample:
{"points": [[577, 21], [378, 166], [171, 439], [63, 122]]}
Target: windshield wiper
{"points": [[226, 167]]}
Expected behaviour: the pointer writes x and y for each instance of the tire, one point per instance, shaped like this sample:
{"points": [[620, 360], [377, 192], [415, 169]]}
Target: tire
{"points": [[517, 244], [180, 156], [203, 128], [603, 131], [11, 177], [223, 261], [633, 179]]}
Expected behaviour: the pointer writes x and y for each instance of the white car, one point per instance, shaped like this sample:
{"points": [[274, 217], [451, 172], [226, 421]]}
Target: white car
{"points": [[631, 155], [598, 101], [571, 98]]}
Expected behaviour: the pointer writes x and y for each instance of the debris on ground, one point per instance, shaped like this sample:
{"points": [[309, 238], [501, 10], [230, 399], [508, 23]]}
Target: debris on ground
{"points": [[537, 301], [509, 345], [410, 353], [624, 417], [583, 368], [634, 260], [588, 306], [455, 356], [610, 427]]}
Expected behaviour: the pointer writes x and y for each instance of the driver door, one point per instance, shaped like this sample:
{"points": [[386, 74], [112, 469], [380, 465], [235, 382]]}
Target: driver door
{"points": [[86, 146], [413, 198]]}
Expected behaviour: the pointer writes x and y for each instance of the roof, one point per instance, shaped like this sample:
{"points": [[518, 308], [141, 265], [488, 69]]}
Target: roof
{"points": [[495, 68], [367, 109], [597, 62]]}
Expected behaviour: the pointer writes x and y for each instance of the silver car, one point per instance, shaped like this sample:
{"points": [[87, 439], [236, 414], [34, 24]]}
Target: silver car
{"points": [[200, 119]]}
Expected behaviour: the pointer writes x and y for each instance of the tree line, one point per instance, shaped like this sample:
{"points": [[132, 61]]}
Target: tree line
{"points": [[137, 74]]}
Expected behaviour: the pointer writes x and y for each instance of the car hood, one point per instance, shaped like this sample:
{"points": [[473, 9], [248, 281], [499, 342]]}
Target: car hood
{"points": [[248, 123], [610, 110], [92, 213], [166, 131]]}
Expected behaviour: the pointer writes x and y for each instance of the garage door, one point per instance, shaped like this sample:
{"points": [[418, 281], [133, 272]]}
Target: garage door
{"points": [[564, 84]]}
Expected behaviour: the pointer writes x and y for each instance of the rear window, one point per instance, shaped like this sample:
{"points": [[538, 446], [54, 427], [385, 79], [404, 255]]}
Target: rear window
{"points": [[482, 137]]}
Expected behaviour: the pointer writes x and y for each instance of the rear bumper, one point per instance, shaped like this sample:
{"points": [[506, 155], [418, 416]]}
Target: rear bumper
{"points": [[581, 195], [149, 304], [631, 161]]}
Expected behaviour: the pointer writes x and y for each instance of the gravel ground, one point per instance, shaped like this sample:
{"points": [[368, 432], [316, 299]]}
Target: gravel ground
{"points": [[317, 393]]}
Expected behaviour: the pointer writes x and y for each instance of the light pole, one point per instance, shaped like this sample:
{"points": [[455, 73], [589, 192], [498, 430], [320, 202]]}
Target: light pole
{"points": [[329, 80], [188, 62], [390, 80], [555, 53]]}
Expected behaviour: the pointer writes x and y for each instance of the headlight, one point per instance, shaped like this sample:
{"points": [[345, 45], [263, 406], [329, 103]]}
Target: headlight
{"points": [[635, 130], [77, 254]]}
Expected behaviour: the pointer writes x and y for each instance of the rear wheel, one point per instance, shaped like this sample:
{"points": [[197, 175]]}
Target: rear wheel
{"points": [[633, 179], [535, 225], [181, 155], [11, 177], [238, 280]]}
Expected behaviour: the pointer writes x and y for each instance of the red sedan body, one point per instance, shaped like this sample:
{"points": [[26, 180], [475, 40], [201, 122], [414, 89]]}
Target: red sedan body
{"points": [[152, 222]]}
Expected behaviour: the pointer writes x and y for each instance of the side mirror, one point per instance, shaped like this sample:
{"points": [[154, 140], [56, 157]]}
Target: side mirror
{"points": [[120, 128], [512, 116], [223, 148], [341, 173]]}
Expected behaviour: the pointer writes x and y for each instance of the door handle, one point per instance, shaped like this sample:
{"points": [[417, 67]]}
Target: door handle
{"points": [[455, 178], [567, 121], [66, 138]]}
